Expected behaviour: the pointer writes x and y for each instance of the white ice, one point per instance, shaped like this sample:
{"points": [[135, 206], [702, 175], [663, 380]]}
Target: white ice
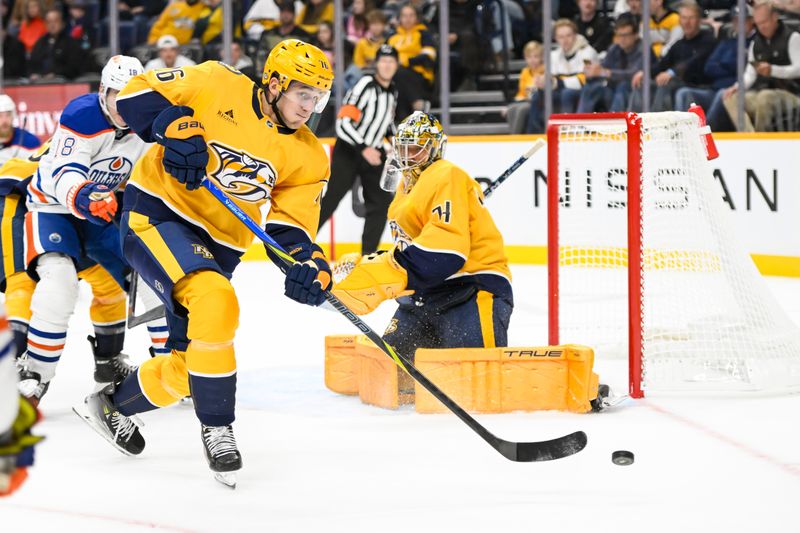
{"points": [[317, 461]]}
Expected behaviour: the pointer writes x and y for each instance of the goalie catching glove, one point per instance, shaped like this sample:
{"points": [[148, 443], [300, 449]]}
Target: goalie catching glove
{"points": [[184, 141], [377, 277], [309, 277], [16, 448]]}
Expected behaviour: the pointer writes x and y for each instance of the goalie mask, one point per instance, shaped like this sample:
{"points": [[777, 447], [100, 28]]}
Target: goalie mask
{"points": [[116, 74], [419, 141]]}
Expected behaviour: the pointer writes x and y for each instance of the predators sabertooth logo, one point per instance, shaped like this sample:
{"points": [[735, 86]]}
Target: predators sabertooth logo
{"points": [[242, 175]]}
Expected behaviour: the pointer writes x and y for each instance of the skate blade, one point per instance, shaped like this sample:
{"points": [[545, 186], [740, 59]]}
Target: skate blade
{"points": [[83, 413], [226, 478], [610, 402]]}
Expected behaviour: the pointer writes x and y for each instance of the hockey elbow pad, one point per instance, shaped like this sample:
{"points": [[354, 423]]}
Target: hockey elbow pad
{"points": [[184, 142], [377, 277]]}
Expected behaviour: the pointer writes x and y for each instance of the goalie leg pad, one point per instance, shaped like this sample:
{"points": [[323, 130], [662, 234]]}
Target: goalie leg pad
{"points": [[501, 380], [52, 306]]}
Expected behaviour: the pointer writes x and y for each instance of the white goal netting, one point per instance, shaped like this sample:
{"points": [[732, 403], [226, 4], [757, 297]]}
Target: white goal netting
{"points": [[708, 321]]}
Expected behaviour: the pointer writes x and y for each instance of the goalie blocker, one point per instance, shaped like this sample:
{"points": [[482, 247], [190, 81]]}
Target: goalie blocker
{"points": [[482, 380]]}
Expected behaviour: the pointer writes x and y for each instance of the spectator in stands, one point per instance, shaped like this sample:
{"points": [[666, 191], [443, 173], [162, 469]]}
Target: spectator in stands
{"points": [[263, 15], [356, 25], [632, 8], [665, 27], [285, 29], [517, 112], [56, 53], [465, 60], [720, 69], [417, 51], [608, 85], [208, 26], [597, 29], [772, 76], [241, 62], [78, 24], [315, 12], [366, 48], [168, 55], [684, 63], [33, 26], [324, 41], [13, 56], [566, 65], [130, 9], [178, 19]]}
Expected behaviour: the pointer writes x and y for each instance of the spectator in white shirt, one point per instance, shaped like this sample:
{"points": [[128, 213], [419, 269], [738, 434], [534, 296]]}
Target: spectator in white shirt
{"points": [[168, 56]]}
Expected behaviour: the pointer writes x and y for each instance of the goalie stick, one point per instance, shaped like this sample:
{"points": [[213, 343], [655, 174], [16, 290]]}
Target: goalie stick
{"points": [[515, 451]]}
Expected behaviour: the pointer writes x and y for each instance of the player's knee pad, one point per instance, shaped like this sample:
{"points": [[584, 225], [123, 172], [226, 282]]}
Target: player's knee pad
{"points": [[19, 291], [57, 291], [212, 305]]}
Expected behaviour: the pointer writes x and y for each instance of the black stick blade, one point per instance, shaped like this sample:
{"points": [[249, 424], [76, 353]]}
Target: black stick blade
{"points": [[547, 450]]}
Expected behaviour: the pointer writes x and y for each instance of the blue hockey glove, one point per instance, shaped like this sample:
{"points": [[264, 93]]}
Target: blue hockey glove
{"points": [[308, 278], [184, 142], [92, 201]]}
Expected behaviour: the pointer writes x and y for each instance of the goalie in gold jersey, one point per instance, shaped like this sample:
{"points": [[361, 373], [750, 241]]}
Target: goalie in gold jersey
{"points": [[210, 120], [447, 251]]}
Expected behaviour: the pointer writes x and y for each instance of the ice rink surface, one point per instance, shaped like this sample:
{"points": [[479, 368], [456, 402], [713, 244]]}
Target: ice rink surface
{"points": [[317, 461]]}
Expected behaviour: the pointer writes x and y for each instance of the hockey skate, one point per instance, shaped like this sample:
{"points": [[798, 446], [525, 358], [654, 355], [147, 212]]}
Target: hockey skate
{"points": [[222, 454], [100, 413], [107, 369], [31, 385]]}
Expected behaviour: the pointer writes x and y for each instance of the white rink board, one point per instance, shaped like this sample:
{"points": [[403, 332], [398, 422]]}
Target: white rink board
{"points": [[759, 178]]}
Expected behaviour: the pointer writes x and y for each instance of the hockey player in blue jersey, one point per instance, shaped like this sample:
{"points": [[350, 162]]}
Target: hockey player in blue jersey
{"points": [[71, 205], [14, 141]]}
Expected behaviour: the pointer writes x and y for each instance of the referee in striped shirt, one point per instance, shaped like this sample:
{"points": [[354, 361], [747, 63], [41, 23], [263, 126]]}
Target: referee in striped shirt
{"points": [[365, 119]]}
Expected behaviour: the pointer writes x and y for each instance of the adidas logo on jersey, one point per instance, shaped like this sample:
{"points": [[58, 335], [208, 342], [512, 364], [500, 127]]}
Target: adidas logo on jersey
{"points": [[227, 115]]}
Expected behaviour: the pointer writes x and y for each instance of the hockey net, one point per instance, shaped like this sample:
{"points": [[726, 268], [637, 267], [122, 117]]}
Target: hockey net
{"points": [[644, 263]]}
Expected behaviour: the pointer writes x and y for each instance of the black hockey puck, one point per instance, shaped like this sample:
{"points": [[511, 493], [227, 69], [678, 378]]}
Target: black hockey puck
{"points": [[622, 457]]}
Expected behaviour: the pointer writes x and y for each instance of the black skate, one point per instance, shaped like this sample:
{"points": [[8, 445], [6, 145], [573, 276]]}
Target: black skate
{"points": [[108, 369], [221, 452], [31, 386], [100, 413]]}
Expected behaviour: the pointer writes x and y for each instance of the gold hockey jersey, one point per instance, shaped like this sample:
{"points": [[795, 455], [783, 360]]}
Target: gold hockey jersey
{"points": [[251, 159], [442, 229]]}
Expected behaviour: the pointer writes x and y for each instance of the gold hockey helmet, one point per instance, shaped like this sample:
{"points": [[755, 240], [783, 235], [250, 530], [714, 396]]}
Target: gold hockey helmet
{"points": [[295, 60]]}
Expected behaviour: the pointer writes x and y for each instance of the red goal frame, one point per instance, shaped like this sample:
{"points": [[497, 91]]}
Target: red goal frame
{"points": [[633, 123]]}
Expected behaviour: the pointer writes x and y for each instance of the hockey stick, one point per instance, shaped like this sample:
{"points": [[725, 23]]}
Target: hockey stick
{"points": [[514, 166], [147, 316], [514, 451]]}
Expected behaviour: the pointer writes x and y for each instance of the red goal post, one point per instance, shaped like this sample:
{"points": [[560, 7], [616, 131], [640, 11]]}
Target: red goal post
{"points": [[643, 262]]}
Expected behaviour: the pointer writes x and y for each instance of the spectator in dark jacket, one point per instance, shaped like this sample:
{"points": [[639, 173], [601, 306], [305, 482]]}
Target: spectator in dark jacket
{"points": [[593, 25], [683, 64], [13, 56], [56, 53], [720, 69], [608, 85]]}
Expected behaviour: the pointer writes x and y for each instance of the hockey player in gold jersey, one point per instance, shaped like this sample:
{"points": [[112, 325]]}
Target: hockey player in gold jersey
{"points": [[447, 268], [210, 120]]}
